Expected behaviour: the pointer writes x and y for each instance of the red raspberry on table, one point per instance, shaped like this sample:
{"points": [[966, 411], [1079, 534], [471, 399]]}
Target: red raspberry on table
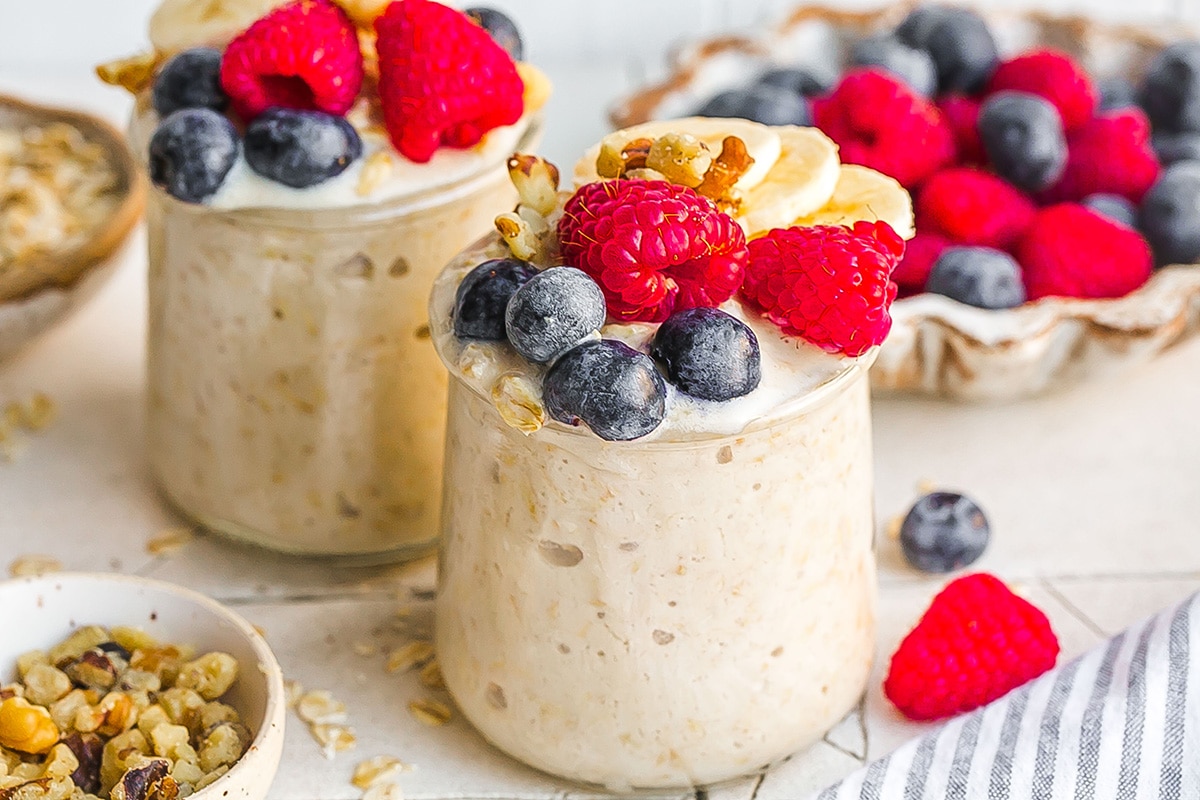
{"points": [[1071, 251], [828, 284], [443, 80], [962, 115], [976, 642], [881, 123], [1111, 154], [973, 207], [301, 55], [1054, 75], [920, 254], [654, 247]]}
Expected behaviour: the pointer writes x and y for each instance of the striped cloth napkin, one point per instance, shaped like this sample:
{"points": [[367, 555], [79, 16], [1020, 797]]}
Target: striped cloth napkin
{"points": [[1120, 722]]}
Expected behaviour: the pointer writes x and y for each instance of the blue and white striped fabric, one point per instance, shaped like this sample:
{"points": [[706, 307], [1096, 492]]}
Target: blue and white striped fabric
{"points": [[1121, 722]]}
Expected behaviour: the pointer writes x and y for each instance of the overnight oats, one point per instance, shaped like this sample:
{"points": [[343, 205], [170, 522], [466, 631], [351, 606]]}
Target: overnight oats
{"points": [[657, 564], [315, 168]]}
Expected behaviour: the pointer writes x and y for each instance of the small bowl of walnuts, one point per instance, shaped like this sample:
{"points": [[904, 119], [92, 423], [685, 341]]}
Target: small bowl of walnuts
{"points": [[125, 688], [70, 194]]}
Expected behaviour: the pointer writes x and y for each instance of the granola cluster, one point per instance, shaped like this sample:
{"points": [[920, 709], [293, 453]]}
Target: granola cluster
{"points": [[115, 714]]}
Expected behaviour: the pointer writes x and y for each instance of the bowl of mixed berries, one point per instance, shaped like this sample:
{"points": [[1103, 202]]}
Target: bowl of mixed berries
{"points": [[1054, 165]]}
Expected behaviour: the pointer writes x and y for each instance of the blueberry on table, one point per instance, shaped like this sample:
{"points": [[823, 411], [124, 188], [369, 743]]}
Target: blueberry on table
{"points": [[763, 103], [553, 311], [1116, 92], [977, 276], [608, 386], [958, 41], [501, 28], [944, 531], [912, 66], [300, 148], [191, 79], [796, 80], [1170, 92], [1174, 147], [708, 354], [1023, 137], [1114, 207], [1170, 215], [483, 295], [191, 152]]}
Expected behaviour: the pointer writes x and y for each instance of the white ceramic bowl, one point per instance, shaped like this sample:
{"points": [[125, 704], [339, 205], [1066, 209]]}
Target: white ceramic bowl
{"points": [[37, 613]]}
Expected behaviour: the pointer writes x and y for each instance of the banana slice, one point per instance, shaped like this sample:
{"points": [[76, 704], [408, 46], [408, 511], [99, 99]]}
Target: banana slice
{"points": [[800, 182], [762, 142], [179, 24], [864, 194]]}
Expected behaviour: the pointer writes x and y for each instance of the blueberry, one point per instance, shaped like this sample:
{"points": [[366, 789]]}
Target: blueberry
{"points": [[300, 148], [889, 54], [1114, 207], [796, 80], [1023, 137], [608, 386], [958, 41], [502, 29], [191, 152], [708, 354], [978, 276], [552, 311], [1170, 214], [1172, 147], [1116, 92], [1170, 92], [191, 79], [943, 532], [770, 105], [483, 296]]}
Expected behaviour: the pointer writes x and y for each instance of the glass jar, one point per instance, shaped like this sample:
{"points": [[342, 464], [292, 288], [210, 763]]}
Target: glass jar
{"points": [[660, 613], [295, 398]]}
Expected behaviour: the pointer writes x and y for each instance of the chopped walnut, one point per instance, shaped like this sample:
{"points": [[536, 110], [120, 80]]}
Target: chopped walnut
{"points": [[680, 158], [726, 170], [134, 74], [536, 181]]}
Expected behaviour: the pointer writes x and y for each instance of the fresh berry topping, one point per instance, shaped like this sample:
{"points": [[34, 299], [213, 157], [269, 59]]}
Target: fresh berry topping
{"points": [[443, 80], [553, 311], [1116, 93], [482, 298], [797, 80], [944, 531], [1170, 92], [962, 115], [828, 284], [973, 207], [890, 55], [1174, 147], [501, 28], [1070, 251], [977, 276], [959, 42], [608, 386], [920, 253], [191, 79], [708, 354], [191, 152], [1109, 154], [1170, 215], [770, 105], [300, 148], [977, 642], [1053, 75], [654, 247], [1023, 136], [301, 55], [880, 123], [1114, 207]]}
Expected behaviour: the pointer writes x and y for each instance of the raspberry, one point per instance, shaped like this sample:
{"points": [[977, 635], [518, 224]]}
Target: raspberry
{"points": [[976, 642], [654, 247], [1111, 154], [962, 115], [919, 256], [302, 55], [443, 80], [880, 123], [828, 284], [1053, 75], [973, 207], [1071, 251]]}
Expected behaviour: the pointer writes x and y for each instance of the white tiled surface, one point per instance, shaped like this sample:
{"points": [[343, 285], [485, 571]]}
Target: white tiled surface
{"points": [[1092, 492]]}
